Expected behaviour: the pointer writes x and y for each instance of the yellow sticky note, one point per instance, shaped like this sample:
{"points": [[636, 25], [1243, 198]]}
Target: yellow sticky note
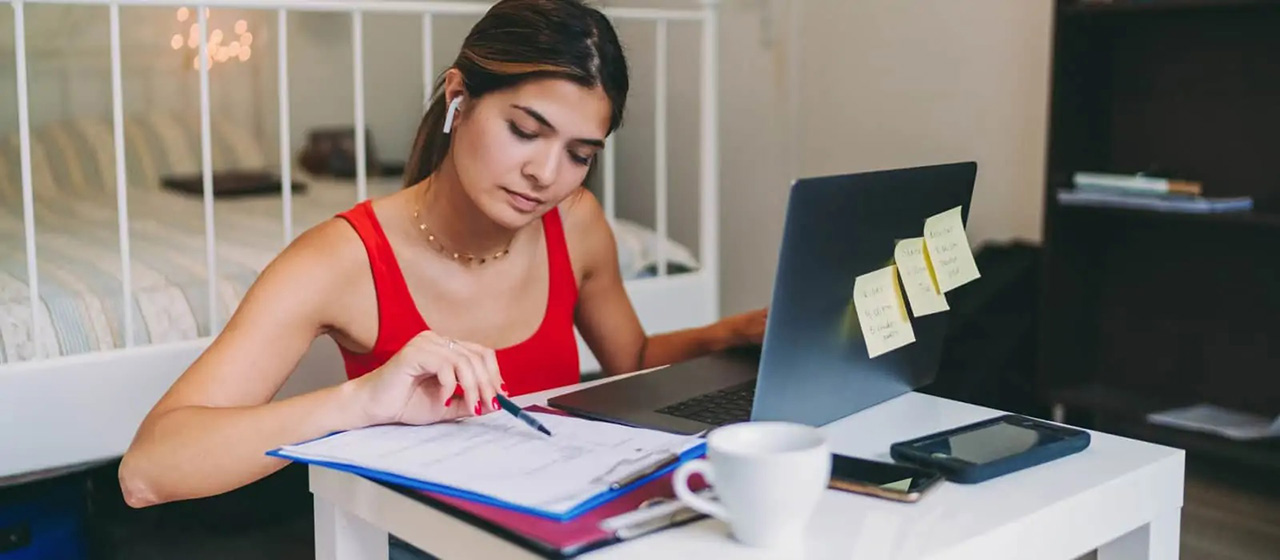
{"points": [[881, 312], [948, 250], [917, 278]]}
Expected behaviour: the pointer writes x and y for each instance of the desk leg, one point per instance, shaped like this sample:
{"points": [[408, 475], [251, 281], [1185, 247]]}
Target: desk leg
{"points": [[1157, 540], [343, 536]]}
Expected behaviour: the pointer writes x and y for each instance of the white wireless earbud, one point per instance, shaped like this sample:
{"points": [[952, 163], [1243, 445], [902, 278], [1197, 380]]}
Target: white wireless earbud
{"points": [[448, 116]]}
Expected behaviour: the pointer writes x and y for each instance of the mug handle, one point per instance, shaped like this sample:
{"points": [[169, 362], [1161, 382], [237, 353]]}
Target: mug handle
{"points": [[680, 483]]}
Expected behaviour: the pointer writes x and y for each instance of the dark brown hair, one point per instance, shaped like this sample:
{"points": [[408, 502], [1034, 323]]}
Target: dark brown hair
{"points": [[518, 40]]}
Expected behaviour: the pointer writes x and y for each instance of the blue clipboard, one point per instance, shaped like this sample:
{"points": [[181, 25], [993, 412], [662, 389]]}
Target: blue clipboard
{"points": [[587, 505]]}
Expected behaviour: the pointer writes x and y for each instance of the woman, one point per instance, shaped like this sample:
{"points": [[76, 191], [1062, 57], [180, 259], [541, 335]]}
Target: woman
{"points": [[465, 284]]}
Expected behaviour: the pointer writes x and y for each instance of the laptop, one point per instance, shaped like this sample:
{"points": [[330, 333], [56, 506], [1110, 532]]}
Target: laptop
{"points": [[813, 366]]}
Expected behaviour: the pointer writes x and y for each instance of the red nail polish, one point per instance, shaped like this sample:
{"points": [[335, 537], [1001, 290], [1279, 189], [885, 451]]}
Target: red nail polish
{"points": [[477, 409], [502, 387], [495, 403], [448, 401]]}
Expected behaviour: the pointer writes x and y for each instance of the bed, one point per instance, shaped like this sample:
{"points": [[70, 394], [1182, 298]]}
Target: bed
{"points": [[78, 371], [77, 241]]}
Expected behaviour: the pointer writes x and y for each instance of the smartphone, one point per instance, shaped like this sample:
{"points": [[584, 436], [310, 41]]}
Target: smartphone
{"points": [[892, 481], [991, 448]]}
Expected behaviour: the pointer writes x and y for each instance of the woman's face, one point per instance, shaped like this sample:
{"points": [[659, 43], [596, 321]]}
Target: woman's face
{"points": [[520, 152]]}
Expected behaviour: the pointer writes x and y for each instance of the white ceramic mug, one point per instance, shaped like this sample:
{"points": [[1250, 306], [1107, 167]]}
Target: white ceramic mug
{"points": [[768, 477]]}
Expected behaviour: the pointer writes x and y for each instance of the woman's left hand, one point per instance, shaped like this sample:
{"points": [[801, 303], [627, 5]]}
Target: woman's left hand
{"points": [[745, 328]]}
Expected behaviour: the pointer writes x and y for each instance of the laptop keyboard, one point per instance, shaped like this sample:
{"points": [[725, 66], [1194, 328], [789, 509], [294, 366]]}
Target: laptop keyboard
{"points": [[726, 406]]}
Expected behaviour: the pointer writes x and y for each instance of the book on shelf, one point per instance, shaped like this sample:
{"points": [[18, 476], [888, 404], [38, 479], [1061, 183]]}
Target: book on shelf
{"points": [[1145, 192], [1165, 203], [1134, 184]]}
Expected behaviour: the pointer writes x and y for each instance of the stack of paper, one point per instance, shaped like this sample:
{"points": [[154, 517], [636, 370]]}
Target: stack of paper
{"points": [[1217, 420], [498, 459]]}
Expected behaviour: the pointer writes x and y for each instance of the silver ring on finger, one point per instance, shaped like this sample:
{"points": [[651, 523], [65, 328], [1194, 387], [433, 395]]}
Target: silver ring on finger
{"points": [[452, 342]]}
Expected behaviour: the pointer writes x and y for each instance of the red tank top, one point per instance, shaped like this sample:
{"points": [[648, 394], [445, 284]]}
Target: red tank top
{"points": [[545, 360]]}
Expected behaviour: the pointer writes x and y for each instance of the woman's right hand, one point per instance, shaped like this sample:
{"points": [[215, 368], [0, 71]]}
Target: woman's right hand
{"points": [[418, 384]]}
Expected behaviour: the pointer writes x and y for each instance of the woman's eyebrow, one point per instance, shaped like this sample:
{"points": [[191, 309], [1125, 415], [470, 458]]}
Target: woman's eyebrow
{"points": [[541, 119]]}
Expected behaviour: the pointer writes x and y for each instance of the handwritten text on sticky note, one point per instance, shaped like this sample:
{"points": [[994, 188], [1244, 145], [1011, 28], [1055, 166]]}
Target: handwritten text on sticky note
{"points": [[949, 251], [917, 278], [881, 312]]}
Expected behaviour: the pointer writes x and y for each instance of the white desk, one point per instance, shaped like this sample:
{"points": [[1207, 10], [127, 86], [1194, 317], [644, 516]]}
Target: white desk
{"points": [[1120, 497]]}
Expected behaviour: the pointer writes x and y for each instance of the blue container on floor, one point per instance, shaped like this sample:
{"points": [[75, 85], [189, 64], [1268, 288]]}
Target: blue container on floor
{"points": [[43, 521]]}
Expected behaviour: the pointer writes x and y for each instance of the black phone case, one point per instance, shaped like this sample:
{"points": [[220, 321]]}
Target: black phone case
{"points": [[967, 473]]}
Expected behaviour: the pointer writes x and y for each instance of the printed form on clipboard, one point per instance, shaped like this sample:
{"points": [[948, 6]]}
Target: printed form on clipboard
{"points": [[497, 459]]}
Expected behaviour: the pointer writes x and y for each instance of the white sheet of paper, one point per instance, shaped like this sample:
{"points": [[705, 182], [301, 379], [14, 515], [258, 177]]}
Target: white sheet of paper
{"points": [[881, 311], [918, 278], [948, 250], [498, 456]]}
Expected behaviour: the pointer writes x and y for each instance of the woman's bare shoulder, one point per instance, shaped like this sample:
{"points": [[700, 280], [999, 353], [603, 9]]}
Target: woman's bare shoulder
{"points": [[587, 231], [583, 215], [332, 246], [323, 264]]}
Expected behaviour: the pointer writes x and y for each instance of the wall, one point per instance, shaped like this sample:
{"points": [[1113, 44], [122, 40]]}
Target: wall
{"points": [[757, 148], [881, 84], [754, 141], [888, 84]]}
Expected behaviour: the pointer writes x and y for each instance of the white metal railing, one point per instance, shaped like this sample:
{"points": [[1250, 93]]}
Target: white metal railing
{"points": [[708, 183], [286, 170], [709, 166], [428, 59], [357, 56], [122, 197], [660, 171], [24, 154], [206, 170]]}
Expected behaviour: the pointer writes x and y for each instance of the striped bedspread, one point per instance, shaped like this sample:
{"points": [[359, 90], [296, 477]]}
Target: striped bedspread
{"points": [[80, 274], [77, 239]]}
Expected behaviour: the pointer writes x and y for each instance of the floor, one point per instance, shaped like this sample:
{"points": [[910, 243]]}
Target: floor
{"points": [[1221, 521], [271, 519], [288, 538]]}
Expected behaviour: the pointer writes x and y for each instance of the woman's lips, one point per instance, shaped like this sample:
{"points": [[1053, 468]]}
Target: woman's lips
{"points": [[522, 202]]}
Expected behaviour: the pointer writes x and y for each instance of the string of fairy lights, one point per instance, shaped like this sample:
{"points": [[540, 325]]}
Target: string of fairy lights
{"points": [[223, 47]]}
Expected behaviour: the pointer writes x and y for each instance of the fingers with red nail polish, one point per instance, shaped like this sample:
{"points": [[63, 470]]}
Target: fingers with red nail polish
{"points": [[430, 379]]}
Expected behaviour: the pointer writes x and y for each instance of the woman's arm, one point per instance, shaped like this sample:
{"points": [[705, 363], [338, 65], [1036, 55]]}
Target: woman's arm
{"points": [[606, 318], [678, 346], [209, 432]]}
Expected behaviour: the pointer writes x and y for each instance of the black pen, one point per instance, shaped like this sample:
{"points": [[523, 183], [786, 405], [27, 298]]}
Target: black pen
{"points": [[518, 412]]}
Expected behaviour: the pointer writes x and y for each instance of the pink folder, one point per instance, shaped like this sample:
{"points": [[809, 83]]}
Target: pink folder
{"points": [[557, 539]]}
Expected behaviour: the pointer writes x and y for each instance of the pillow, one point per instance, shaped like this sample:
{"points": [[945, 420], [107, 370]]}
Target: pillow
{"points": [[631, 248], [644, 243]]}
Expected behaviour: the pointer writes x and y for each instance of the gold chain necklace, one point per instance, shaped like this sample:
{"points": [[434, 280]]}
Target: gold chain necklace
{"points": [[465, 258]]}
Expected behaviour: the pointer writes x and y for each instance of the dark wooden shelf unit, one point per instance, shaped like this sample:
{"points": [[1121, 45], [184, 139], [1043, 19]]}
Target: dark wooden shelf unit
{"points": [[1111, 406], [1147, 6], [1177, 308]]}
